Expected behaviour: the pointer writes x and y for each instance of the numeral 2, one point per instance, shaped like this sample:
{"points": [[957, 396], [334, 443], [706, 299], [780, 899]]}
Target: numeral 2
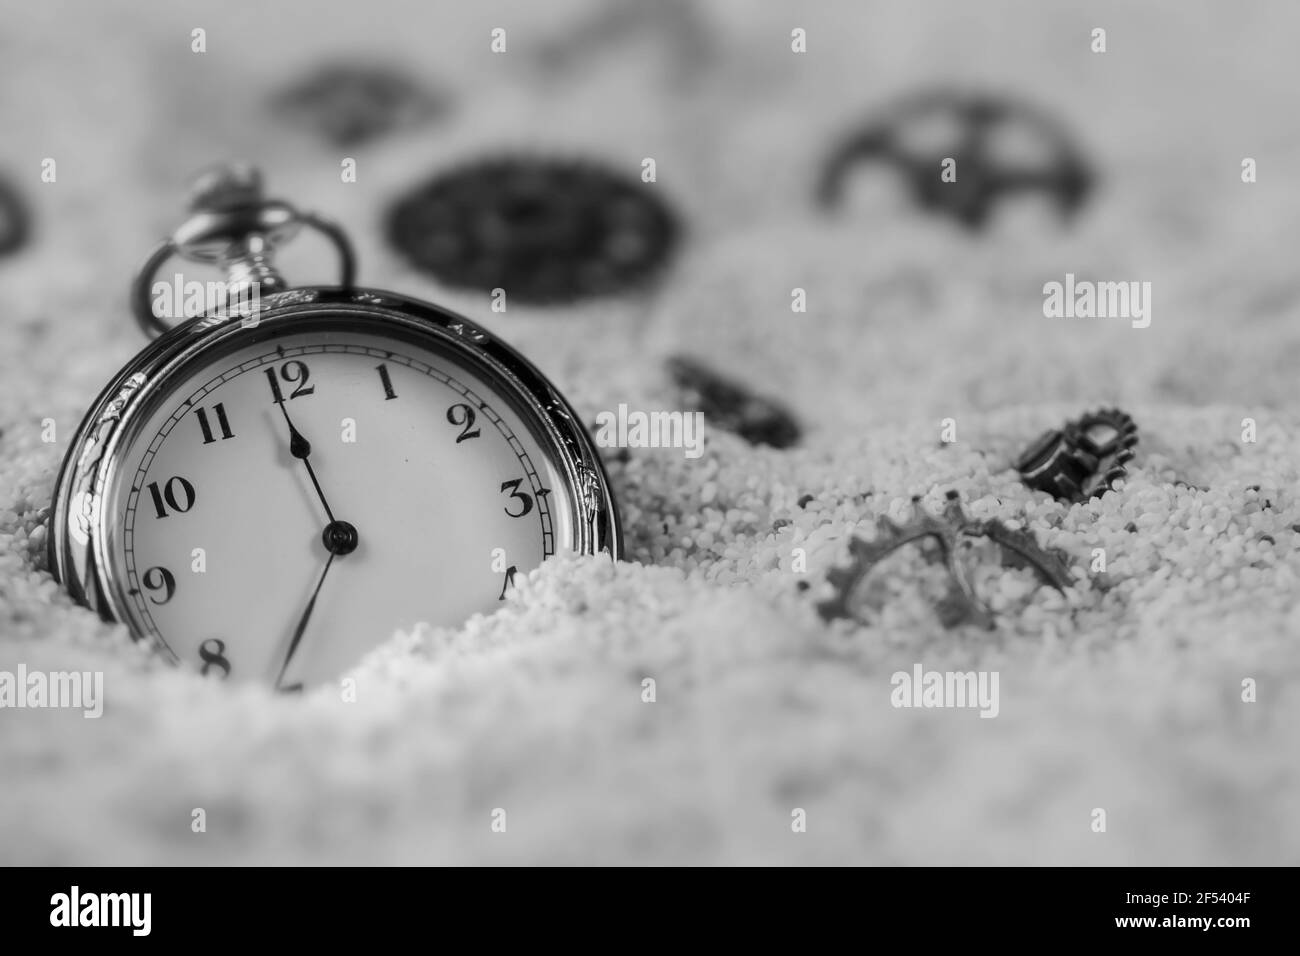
{"points": [[181, 500], [466, 418], [294, 373]]}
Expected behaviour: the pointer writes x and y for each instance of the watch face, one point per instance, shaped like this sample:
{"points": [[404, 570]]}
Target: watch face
{"points": [[292, 497]]}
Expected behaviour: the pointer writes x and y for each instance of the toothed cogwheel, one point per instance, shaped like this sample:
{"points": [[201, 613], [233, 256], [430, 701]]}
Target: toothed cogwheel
{"points": [[959, 605], [1084, 459], [544, 231]]}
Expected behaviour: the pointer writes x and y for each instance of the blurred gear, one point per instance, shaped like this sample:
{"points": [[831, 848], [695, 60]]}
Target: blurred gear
{"points": [[13, 219], [959, 605], [675, 31], [732, 407], [1084, 459], [1000, 147], [349, 104], [544, 231]]}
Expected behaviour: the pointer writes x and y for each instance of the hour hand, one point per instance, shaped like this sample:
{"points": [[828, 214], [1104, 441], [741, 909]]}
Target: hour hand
{"points": [[300, 448]]}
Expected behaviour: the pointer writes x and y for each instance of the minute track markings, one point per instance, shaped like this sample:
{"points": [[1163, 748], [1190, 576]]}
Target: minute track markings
{"points": [[280, 354]]}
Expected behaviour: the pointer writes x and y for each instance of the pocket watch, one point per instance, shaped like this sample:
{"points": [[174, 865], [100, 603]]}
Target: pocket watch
{"points": [[276, 485]]}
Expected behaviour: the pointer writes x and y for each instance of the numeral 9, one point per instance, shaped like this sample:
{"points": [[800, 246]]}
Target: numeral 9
{"points": [[160, 579]]}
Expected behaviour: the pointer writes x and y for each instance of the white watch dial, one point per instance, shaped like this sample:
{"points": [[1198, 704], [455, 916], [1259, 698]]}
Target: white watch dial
{"points": [[437, 494]]}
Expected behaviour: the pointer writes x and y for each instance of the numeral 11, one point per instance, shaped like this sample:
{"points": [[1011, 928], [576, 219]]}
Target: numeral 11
{"points": [[206, 427]]}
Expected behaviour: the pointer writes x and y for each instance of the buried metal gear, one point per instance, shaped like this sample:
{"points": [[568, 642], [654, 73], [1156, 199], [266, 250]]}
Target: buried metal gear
{"points": [[1084, 459], [730, 406], [543, 231], [14, 219], [960, 604], [352, 103], [1003, 147]]}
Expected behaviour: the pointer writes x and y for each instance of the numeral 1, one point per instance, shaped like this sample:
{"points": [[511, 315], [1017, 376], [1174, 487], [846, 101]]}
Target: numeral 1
{"points": [[219, 410], [389, 394]]}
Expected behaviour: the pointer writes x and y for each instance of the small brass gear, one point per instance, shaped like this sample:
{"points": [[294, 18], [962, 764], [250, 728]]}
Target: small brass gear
{"points": [[1084, 459]]}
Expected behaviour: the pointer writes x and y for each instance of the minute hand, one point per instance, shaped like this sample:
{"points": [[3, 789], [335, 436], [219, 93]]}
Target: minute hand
{"points": [[300, 448], [302, 621]]}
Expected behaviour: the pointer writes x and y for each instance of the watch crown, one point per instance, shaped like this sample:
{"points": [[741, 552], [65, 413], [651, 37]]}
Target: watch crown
{"points": [[234, 227], [226, 187]]}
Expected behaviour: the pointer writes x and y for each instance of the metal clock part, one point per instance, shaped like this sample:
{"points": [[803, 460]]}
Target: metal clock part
{"points": [[732, 407], [77, 545], [1082, 460], [545, 231], [959, 605], [86, 521], [973, 123], [14, 219], [233, 227], [349, 104]]}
